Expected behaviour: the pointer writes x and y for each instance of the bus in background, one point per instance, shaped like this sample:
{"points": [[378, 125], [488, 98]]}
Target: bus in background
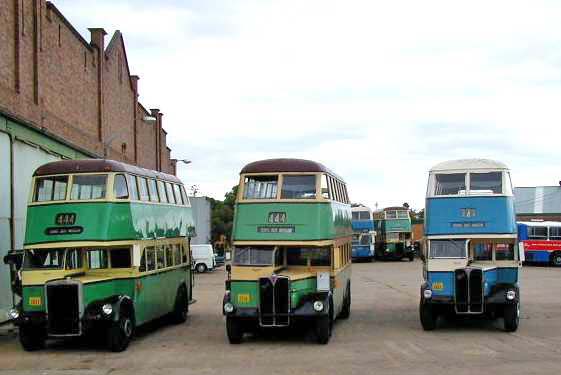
{"points": [[541, 242], [471, 257], [393, 240], [363, 233], [106, 249], [292, 250]]}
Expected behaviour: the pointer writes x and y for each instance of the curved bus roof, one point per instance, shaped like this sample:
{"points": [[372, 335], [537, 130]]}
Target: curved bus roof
{"points": [[468, 164], [396, 208], [100, 165], [360, 208], [540, 223], [286, 165]]}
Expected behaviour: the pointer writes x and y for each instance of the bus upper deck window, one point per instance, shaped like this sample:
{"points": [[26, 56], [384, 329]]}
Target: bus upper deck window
{"points": [[171, 195], [185, 197], [153, 190], [162, 192], [120, 187], [178, 195], [402, 215], [50, 188], [299, 187], [486, 183], [134, 188], [391, 215], [143, 187], [88, 187], [260, 187], [450, 184], [324, 187], [364, 215]]}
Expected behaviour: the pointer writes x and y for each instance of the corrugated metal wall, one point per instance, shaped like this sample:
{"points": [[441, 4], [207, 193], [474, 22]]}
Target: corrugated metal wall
{"points": [[201, 216]]}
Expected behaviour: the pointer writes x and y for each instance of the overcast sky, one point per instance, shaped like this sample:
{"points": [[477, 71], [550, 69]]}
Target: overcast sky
{"points": [[379, 91]]}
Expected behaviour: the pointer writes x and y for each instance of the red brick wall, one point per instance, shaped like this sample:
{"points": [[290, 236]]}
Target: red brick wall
{"points": [[54, 79]]}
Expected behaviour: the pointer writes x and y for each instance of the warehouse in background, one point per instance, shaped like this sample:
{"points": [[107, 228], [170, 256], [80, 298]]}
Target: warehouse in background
{"points": [[62, 97], [201, 217], [538, 203]]}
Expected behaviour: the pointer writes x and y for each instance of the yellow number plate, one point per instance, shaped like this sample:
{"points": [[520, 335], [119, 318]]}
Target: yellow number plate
{"points": [[438, 286], [244, 298], [35, 301]]}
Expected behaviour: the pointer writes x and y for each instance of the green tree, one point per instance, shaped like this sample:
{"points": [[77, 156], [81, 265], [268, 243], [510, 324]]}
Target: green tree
{"points": [[222, 216]]}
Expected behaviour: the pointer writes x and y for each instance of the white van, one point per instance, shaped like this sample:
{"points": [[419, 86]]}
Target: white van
{"points": [[203, 258]]}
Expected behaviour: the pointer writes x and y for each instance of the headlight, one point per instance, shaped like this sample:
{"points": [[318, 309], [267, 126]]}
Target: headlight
{"points": [[318, 306], [13, 314], [107, 309], [228, 308], [510, 295], [427, 293]]}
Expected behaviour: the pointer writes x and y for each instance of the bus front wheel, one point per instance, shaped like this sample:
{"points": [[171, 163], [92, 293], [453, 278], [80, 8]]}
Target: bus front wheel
{"points": [[428, 316], [120, 333], [511, 317], [346, 311], [31, 338], [234, 330]]}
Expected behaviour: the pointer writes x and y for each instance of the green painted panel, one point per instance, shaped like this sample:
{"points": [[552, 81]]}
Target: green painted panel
{"points": [[107, 221], [248, 291], [310, 221], [300, 289], [397, 225], [36, 293]]}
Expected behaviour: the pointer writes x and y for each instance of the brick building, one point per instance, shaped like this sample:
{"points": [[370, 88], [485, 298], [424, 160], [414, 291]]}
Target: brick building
{"points": [[62, 96]]}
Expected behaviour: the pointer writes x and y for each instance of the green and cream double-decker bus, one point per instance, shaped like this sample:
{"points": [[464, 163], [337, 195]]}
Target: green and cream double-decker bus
{"points": [[394, 234], [292, 249], [106, 249]]}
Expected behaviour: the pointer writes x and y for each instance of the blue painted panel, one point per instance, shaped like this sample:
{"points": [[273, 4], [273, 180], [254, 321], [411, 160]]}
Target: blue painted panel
{"points": [[537, 256], [444, 215], [446, 279], [507, 275], [361, 251], [363, 225], [522, 232], [490, 278]]}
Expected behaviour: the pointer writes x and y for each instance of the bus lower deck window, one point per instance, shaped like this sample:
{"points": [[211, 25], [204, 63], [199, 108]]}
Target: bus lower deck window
{"points": [[120, 258], [97, 259]]}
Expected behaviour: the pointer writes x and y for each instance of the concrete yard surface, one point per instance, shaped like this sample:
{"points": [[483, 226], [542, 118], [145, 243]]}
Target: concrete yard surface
{"points": [[382, 336]]}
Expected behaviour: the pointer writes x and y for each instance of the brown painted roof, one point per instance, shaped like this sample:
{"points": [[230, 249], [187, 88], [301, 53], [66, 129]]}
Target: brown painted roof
{"points": [[99, 165], [285, 165]]}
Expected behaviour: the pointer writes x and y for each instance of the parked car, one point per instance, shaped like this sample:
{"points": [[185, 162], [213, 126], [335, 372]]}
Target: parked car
{"points": [[203, 258]]}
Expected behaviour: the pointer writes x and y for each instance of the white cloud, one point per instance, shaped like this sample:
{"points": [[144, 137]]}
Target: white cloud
{"points": [[377, 90]]}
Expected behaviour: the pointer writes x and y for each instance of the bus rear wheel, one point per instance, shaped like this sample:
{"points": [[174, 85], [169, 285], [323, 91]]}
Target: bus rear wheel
{"points": [[181, 307], [120, 333], [32, 338], [428, 316], [556, 259], [234, 330], [511, 317]]}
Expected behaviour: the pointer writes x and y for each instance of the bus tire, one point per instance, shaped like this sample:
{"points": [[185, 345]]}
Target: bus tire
{"points": [[234, 330], [32, 338], [428, 316], [556, 259], [323, 329], [411, 257], [120, 332], [201, 268], [181, 306], [346, 311], [511, 317]]}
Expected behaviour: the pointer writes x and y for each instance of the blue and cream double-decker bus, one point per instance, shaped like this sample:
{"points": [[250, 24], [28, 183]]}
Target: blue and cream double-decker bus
{"points": [[471, 258], [364, 233]]}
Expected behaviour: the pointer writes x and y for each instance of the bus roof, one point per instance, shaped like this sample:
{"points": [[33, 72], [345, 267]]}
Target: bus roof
{"points": [[360, 208], [466, 164], [286, 165], [396, 208], [99, 165]]}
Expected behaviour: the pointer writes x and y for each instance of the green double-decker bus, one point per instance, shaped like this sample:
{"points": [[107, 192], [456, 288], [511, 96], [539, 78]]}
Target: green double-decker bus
{"points": [[106, 250], [393, 240], [292, 249]]}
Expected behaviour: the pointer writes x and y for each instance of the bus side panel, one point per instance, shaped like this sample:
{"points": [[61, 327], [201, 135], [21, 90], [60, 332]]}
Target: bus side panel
{"points": [[507, 275], [494, 215], [491, 278], [33, 299], [340, 288]]}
